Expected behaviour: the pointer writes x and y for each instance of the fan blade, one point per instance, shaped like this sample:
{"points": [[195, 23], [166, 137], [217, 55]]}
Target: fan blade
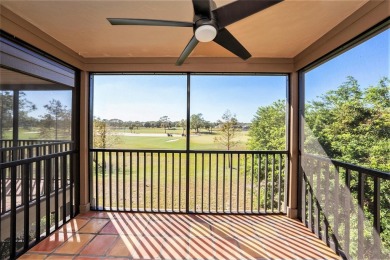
{"points": [[227, 40], [202, 8], [187, 51], [147, 22], [240, 9]]}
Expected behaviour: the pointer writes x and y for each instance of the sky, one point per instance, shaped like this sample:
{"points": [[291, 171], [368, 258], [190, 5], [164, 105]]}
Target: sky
{"points": [[367, 62], [42, 98], [147, 98]]}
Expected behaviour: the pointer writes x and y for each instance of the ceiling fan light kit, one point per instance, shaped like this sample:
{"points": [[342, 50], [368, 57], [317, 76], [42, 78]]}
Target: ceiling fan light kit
{"points": [[209, 24], [205, 33]]}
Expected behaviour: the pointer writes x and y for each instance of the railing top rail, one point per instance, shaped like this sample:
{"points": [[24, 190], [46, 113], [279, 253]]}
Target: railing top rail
{"points": [[35, 145], [353, 167], [34, 159], [190, 151], [32, 140]]}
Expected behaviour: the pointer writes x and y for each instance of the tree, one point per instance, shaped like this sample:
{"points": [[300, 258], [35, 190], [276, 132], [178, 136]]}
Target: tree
{"points": [[352, 124], [228, 126], [102, 135], [55, 113], [268, 128], [6, 110], [197, 122], [164, 122], [209, 126], [183, 125]]}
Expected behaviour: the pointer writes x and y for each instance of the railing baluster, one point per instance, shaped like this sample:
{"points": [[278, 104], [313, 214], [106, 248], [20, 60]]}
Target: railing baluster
{"points": [[327, 211], [72, 174], [231, 180], [202, 191], [216, 182], [26, 205], [347, 211], [151, 180], [245, 162], [117, 179], [145, 181], [195, 182], [110, 178], [266, 183], [124, 180], [303, 199], [311, 200], [376, 224], [273, 183], [131, 181], [223, 183], [13, 222], [317, 216], [137, 180], [336, 200], [173, 182], [258, 182], [166, 180], [280, 183], [252, 174], [38, 202], [47, 194], [3, 173], [63, 184], [56, 188], [238, 183], [209, 207], [286, 181], [180, 191], [97, 195], [158, 184], [30, 155], [361, 249]]}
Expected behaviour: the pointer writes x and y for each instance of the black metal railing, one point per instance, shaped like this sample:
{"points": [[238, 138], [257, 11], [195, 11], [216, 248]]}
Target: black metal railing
{"points": [[31, 148], [5, 143], [341, 204], [189, 181], [37, 191]]}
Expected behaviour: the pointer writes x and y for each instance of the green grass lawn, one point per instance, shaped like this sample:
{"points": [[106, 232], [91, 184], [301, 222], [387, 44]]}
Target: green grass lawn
{"points": [[198, 141]]}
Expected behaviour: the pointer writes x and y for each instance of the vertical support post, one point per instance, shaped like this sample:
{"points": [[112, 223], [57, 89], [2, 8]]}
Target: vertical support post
{"points": [[84, 145], [188, 148], [292, 209]]}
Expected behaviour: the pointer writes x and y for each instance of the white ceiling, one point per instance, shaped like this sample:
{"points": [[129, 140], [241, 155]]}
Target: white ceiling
{"points": [[281, 31]]}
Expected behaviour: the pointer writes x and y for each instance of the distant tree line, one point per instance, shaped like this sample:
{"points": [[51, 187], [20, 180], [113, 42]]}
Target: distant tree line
{"points": [[197, 123]]}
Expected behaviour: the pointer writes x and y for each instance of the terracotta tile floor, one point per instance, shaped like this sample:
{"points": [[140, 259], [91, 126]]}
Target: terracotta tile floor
{"points": [[112, 235]]}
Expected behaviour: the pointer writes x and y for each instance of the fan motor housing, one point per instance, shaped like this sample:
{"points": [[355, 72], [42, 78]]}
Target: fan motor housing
{"points": [[202, 22]]}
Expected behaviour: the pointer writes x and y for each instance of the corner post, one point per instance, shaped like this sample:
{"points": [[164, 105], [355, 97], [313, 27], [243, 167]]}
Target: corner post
{"points": [[84, 147], [292, 209]]}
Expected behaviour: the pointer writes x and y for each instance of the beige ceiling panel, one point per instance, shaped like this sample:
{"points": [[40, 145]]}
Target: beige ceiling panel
{"points": [[281, 31]]}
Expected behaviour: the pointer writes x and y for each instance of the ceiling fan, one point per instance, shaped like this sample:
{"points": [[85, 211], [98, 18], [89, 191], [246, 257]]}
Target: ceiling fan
{"points": [[209, 24]]}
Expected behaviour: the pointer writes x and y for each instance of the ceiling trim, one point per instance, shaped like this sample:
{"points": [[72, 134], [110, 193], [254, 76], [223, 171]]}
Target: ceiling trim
{"points": [[277, 65]]}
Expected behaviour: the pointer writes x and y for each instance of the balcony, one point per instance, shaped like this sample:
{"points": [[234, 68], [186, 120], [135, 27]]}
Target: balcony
{"points": [[311, 181]]}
